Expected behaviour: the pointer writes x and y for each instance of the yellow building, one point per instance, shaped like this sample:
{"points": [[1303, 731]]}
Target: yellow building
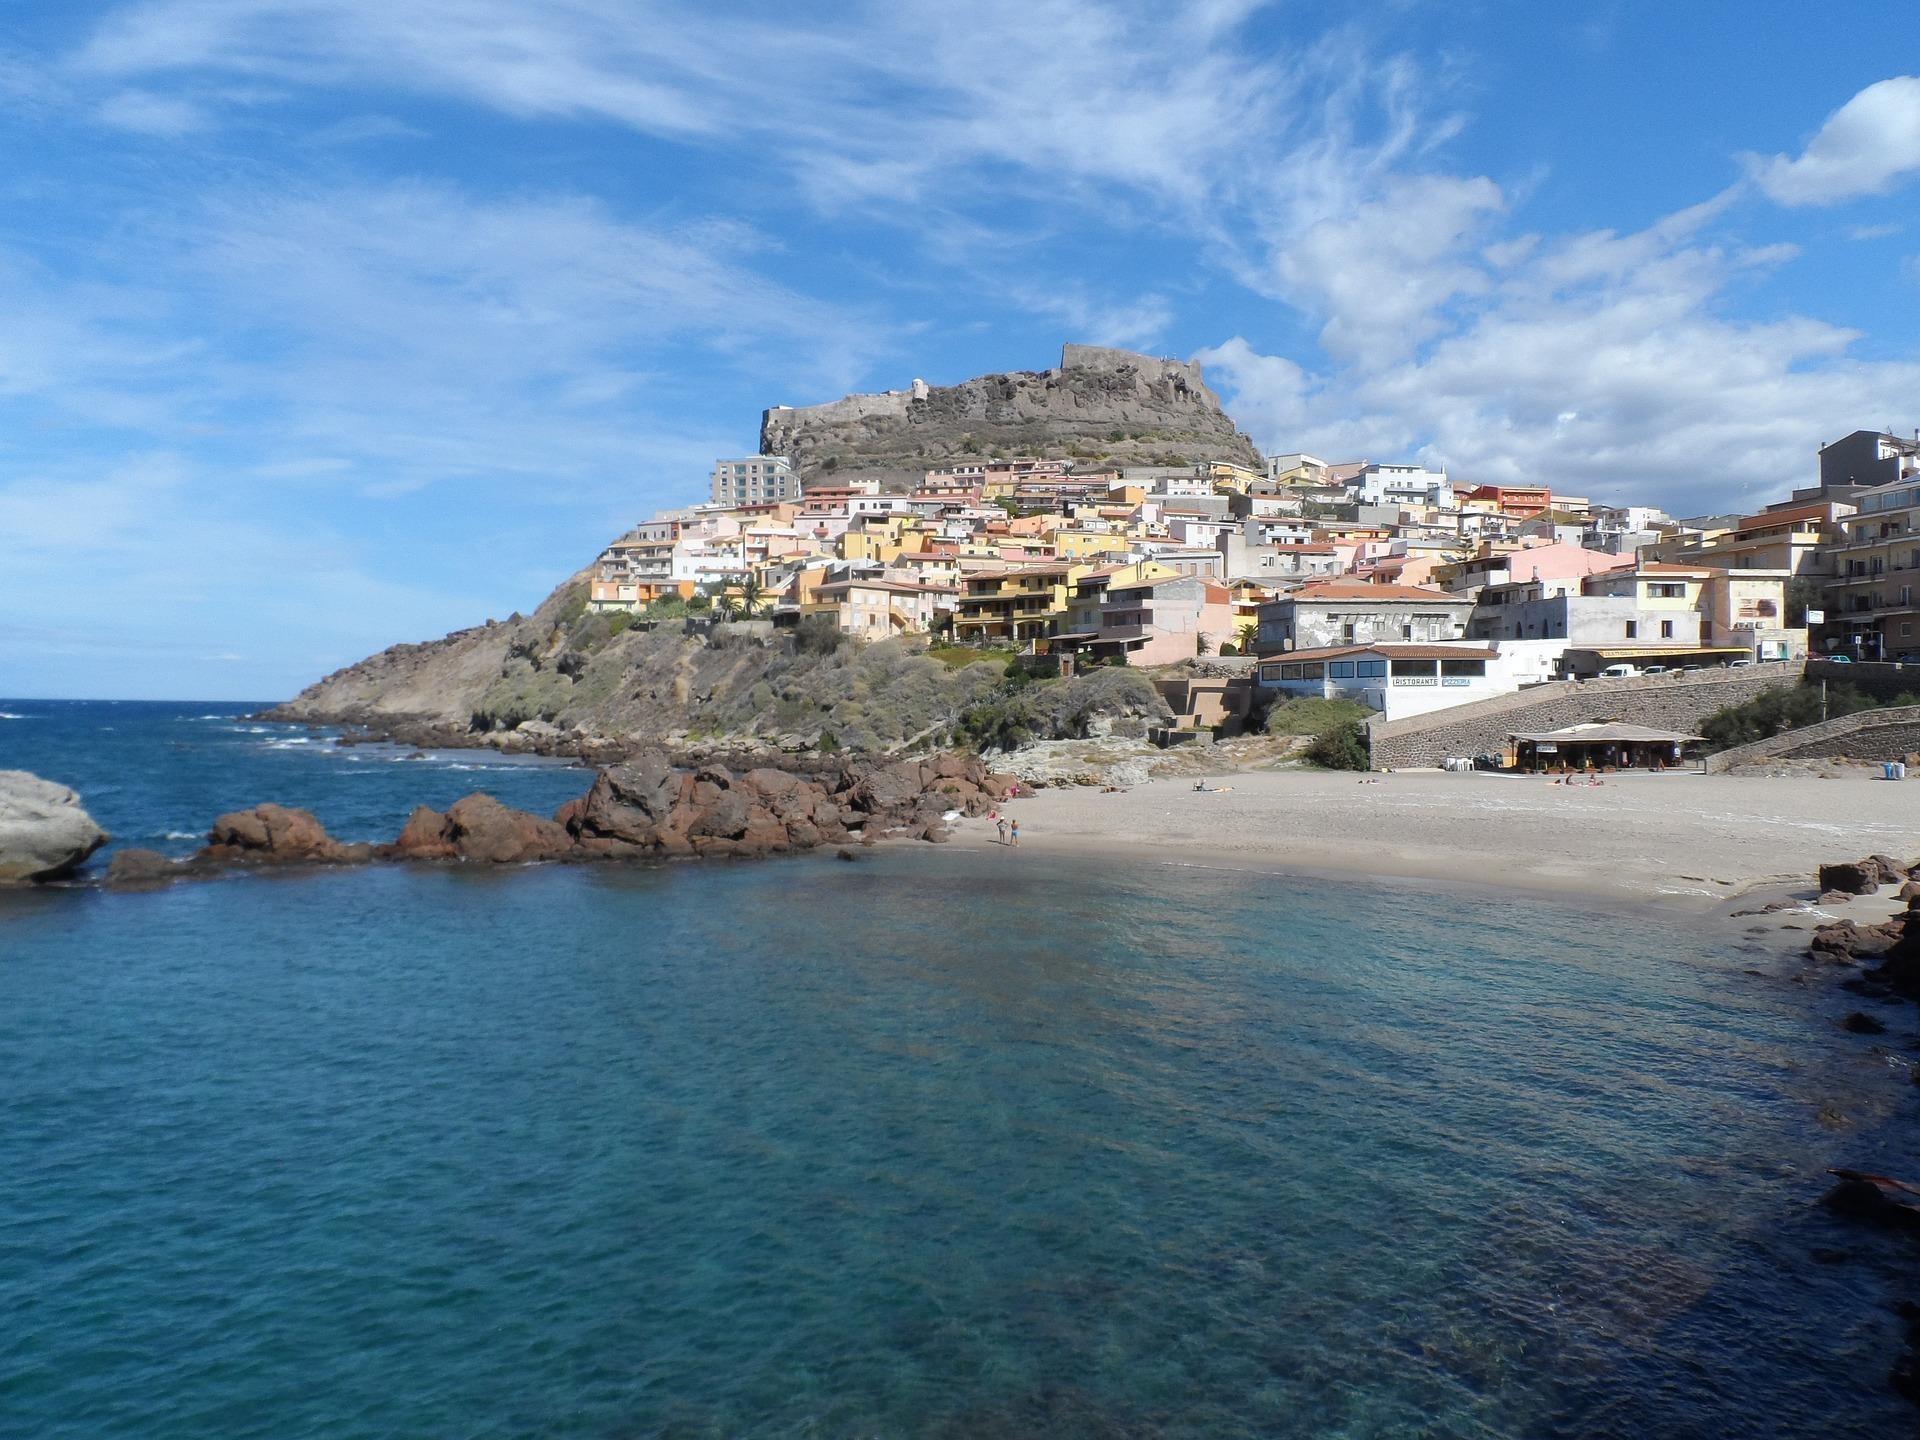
{"points": [[1227, 476], [1653, 586], [1018, 604], [1086, 544]]}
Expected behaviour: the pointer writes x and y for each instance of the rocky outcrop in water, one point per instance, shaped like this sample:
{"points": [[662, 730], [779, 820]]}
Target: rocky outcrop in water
{"points": [[45, 833], [276, 835], [1100, 405], [645, 808]]}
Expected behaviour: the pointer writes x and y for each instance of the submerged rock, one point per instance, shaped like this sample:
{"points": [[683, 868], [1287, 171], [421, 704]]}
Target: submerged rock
{"points": [[141, 870], [45, 833]]}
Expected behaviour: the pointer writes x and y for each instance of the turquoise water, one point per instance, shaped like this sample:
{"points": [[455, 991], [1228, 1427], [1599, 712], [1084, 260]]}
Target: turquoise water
{"points": [[938, 1143]]}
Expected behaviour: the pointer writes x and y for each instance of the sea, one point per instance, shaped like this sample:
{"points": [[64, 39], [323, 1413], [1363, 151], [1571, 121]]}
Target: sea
{"points": [[941, 1143]]}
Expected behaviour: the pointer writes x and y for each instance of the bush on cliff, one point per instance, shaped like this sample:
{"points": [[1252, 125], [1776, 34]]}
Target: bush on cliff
{"points": [[1308, 716], [1097, 702], [1341, 747], [1784, 707]]}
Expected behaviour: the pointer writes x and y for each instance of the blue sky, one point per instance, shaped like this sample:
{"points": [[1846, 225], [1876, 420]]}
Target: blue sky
{"points": [[327, 324]]}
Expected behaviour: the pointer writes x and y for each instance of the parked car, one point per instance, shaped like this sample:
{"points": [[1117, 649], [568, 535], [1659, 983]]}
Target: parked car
{"points": [[1619, 672], [1840, 659], [1689, 669], [1738, 664], [1654, 670]]}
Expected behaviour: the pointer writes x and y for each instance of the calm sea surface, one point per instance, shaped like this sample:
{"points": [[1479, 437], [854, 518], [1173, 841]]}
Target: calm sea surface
{"points": [[935, 1144]]}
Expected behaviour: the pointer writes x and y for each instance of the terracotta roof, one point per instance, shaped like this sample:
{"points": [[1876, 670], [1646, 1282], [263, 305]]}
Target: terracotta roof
{"points": [[1365, 590], [1657, 568], [898, 587], [1768, 518], [1392, 649]]}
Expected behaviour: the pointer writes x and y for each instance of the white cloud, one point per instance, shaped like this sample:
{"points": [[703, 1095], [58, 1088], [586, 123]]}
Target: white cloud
{"points": [[1382, 271], [1600, 366], [1044, 101], [1865, 147]]}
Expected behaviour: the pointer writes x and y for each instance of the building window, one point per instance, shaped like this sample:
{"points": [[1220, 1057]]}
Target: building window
{"points": [[1340, 670], [1666, 629], [1346, 632], [1406, 632], [1369, 669], [1633, 629]]}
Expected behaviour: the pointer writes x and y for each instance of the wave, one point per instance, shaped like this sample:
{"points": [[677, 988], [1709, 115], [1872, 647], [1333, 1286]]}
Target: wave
{"points": [[9, 715]]}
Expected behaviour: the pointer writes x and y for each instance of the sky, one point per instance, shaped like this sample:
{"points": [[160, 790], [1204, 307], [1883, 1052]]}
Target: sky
{"points": [[331, 324]]}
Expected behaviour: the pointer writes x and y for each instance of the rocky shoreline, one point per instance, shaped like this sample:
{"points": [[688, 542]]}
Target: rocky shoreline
{"points": [[1884, 958], [645, 808]]}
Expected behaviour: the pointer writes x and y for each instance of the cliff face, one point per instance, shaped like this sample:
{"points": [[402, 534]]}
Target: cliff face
{"points": [[1099, 405], [561, 681]]}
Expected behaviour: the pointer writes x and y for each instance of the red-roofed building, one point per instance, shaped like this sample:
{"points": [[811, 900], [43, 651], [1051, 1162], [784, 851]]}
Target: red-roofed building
{"points": [[1516, 502], [1350, 612]]}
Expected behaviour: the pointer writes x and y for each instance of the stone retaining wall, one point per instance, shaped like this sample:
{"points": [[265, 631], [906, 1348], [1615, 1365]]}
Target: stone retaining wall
{"points": [[1669, 702], [1889, 734]]}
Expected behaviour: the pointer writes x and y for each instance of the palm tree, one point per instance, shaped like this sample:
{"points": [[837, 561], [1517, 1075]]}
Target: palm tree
{"points": [[720, 604], [753, 595]]}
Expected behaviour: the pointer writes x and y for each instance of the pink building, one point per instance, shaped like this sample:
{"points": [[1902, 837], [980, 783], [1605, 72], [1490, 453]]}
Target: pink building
{"points": [[1165, 621]]}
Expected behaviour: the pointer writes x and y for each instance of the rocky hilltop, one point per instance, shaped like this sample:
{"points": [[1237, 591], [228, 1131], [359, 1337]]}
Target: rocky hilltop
{"points": [[1099, 406]]}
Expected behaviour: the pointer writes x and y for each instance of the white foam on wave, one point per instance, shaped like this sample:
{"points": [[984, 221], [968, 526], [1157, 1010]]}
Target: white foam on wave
{"points": [[179, 835]]}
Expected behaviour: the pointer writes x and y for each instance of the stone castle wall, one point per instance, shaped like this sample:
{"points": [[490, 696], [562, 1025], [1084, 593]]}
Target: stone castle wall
{"points": [[1667, 702], [1099, 406]]}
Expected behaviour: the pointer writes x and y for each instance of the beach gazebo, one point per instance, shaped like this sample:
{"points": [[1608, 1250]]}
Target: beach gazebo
{"points": [[1600, 745]]}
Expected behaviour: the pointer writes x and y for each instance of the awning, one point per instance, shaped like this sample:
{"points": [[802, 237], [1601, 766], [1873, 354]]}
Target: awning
{"points": [[1660, 652], [1607, 734]]}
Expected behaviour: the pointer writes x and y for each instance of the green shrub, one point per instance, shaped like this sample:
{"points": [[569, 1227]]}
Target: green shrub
{"points": [[575, 607], [620, 622], [1342, 747], [818, 635], [1783, 708], [1309, 716]]}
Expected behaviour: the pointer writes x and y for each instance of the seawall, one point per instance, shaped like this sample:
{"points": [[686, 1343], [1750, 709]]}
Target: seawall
{"points": [[1672, 702]]}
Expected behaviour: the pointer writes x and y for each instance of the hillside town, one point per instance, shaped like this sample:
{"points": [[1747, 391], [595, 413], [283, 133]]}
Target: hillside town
{"points": [[1391, 584]]}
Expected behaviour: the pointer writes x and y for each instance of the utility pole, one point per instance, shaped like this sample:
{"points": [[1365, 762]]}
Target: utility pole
{"points": [[1823, 698]]}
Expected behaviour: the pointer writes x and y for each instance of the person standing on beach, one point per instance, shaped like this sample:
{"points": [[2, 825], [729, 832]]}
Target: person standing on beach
{"points": [[1000, 821], [1016, 834]]}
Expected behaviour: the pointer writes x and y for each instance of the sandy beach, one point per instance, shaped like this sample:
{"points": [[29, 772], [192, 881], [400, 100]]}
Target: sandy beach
{"points": [[1681, 837]]}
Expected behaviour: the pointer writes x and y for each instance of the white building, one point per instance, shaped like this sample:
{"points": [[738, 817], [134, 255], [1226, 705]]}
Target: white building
{"points": [[1403, 485], [754, 480], [1393, 680]]}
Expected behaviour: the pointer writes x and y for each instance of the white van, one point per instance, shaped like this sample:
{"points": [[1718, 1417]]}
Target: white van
{"points": [[1622, 671]]}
